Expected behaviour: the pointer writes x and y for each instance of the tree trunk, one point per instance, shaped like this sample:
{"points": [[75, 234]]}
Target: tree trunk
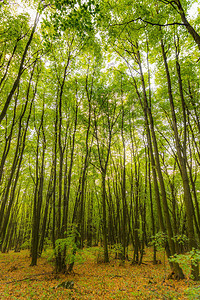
{"points": [[182, 161]]}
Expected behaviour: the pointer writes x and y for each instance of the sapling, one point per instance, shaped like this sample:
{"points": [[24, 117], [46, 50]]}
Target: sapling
{"points": [[160, 240]]}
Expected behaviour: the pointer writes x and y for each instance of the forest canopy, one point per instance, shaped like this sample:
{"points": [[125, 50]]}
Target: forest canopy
{"points": [[100, 127]]}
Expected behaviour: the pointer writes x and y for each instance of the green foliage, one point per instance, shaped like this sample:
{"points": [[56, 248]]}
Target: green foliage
{"points": [[47, 243], [68, 248], [89, 253], [186, 260], [26, 245], [99, 255], [71, 15], [159, 240], [117, 250], [181, 239], [193, 293], [102, 74]]}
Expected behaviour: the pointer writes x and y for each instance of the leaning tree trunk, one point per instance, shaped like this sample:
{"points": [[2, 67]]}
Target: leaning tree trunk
{"points": [[20, 71]]}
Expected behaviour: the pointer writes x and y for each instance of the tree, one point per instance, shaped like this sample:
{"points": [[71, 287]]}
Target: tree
{"points": [[100, 129]]}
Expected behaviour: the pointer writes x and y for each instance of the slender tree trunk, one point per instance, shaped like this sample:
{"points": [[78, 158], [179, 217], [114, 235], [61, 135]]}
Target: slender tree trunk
{"points": [[20, 71], [182, 160], [147, 111], [46, 211], [188, 26], [38, 195], [124, 228]]}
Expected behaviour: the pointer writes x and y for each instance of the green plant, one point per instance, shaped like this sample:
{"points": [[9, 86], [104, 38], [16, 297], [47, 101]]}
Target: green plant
{"points": [[99, 255], [47, 243], [89, 253], [185, 260], [159, 240], [117, 250], [26, 245], [68, 247], [181, 239], [193, 293]]}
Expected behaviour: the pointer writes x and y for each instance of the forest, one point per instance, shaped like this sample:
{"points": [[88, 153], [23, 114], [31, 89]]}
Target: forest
{"points": [[100, 132]]}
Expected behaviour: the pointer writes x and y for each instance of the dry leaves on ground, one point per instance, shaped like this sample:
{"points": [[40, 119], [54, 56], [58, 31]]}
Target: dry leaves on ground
{"points": [[18, 280]]}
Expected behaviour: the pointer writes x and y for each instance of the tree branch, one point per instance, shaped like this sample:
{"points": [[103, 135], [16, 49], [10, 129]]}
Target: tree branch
{"points": [[148, 22]]}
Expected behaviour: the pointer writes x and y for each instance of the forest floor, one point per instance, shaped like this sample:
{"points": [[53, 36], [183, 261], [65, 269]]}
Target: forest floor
{"points": [[18, 280]]}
